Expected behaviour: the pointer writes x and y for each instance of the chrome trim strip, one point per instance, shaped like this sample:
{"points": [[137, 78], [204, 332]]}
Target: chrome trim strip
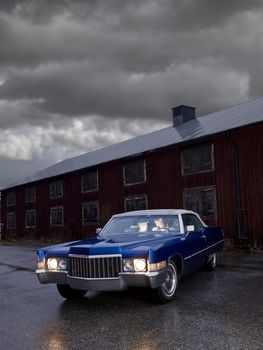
{"points": [[94, 279], [50, 271], [94, 256], [200, 251], [147, 273]]}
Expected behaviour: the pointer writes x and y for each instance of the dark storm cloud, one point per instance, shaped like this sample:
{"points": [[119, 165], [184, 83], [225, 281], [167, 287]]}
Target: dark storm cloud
{"points": [[207, 12], [125, 58], [100, 68]]}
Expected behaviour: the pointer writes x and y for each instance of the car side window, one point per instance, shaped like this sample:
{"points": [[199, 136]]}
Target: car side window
{"points": [[192, 220]]}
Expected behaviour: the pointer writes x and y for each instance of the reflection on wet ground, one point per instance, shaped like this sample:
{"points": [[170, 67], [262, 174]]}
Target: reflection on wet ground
{"points": [[218, 310]]}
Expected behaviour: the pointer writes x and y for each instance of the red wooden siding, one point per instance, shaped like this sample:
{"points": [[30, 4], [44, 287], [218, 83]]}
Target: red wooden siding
{"points": [[164, 189], [250, 143]]}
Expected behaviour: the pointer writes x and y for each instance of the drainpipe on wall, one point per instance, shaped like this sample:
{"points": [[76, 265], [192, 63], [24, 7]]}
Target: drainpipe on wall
{"points": [[240, 233], [72, 228]]}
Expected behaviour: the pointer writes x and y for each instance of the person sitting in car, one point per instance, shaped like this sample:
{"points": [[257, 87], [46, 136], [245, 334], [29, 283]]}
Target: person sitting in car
{"points": [[160, 225], [142, 225]]}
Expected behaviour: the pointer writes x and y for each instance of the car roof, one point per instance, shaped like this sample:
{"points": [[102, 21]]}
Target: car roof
{"points": [[155, 212], [160, 212]]}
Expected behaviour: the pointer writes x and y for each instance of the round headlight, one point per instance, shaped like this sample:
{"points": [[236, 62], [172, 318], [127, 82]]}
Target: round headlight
{"points": [[62, 264], [52, 264], [140, 265]]}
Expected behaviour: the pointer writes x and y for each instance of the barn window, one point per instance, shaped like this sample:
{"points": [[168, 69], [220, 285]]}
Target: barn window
{"points": [[90, 213], [30, 218], [11, 220], [201, 200], [134, 172], [136, 203], [56, 189], [89, 181], [30, 194], [197, 159], [56, 216], [11, 198]]}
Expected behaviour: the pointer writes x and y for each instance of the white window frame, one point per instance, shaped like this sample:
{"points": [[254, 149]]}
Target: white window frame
{"points": [[55, 182], [134, 198], [84, 204], [200, 189], [13, 202], [144, 172], [56, 225], [26, 217], [9, 227], [27, 189], [198, 171], [97, 181]]}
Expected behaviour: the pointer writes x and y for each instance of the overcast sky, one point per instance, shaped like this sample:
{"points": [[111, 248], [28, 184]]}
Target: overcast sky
{"points": [[79, 75]]}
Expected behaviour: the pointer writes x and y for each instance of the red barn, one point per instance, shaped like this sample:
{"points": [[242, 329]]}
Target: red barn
{"points": [[212, 164], [0, 218]]}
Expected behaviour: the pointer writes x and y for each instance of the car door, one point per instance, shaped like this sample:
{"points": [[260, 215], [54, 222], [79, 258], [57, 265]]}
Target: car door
{"points": [[195, 242]]}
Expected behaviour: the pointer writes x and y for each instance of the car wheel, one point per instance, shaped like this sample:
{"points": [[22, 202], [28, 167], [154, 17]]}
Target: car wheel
{"points": [[210, 265], [166, 291], [69, 293]]}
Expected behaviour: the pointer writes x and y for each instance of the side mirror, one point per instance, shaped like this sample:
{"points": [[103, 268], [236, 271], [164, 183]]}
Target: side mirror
{"points": [[190, 228], [98, 230]]}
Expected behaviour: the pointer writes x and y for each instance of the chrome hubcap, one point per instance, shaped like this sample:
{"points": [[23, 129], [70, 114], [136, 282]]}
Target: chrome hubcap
{"points": [[170, 282], [213, 260]]}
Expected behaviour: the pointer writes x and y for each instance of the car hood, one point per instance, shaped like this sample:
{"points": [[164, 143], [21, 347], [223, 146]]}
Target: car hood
{"points": [[126, 246]]}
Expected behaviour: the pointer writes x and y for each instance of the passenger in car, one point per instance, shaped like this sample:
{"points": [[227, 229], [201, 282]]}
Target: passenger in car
{"points": [[160, 225], [143, 225]]}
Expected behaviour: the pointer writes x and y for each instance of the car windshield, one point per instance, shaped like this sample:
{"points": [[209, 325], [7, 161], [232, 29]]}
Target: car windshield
{"points": [[142, 225]]}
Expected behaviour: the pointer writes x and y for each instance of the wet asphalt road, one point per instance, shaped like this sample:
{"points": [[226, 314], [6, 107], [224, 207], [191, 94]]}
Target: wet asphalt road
{"points": [[212, 310]]}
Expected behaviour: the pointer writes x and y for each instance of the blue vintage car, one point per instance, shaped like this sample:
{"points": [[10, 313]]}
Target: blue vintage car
{"points": [[147, 248]]}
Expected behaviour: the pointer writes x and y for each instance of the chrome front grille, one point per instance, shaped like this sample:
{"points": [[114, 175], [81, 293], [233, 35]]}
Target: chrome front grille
{"points": [[95, 267]]}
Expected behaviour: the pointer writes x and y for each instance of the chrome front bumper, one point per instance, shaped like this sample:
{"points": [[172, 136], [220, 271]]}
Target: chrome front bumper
{"points": [[46, 276], [124, 281]]}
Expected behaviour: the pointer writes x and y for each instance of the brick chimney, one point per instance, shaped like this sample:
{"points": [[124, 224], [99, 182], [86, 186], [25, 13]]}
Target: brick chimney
{"points": [[182, 114]]}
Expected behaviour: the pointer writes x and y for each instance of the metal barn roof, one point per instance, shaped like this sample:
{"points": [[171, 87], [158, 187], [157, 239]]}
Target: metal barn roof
{"points": [[227, 119]]}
